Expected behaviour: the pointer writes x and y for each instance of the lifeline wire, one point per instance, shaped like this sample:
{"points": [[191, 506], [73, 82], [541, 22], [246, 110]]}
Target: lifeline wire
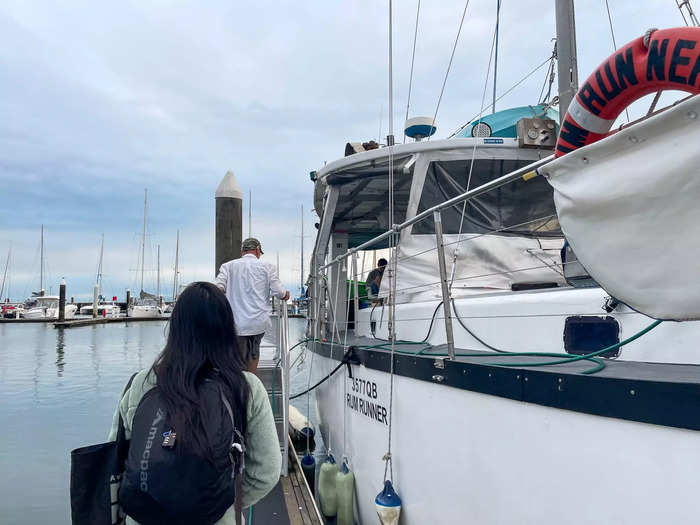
{"points": [[392, 270]]}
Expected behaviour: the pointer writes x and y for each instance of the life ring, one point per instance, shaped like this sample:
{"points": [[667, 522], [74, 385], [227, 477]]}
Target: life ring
{"points": [[661, 59]]}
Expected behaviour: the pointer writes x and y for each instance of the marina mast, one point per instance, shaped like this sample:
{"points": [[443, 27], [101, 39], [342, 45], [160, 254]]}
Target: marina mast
{"points": [[41, 262], [302, 252], [143, 235], [98, 279], [158, 274], [4, 276], [567, 68], [177, 252]]}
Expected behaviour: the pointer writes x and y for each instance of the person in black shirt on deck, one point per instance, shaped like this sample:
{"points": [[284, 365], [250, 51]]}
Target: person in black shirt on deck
{"points": [[374, 279]]}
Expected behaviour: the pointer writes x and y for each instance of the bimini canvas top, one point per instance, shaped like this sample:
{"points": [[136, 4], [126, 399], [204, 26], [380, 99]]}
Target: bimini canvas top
{"points": [[363, 181]]}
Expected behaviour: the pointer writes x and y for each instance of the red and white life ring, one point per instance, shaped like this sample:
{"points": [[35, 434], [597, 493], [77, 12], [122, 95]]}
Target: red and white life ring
{"points": [[661, 59]]}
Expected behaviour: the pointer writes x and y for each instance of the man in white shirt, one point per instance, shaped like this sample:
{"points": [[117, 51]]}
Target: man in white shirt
{"points": [[248, 283]]}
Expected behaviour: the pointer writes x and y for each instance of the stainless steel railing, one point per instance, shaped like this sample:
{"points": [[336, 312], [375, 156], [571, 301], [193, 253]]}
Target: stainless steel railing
{"points": [[434, 212]]}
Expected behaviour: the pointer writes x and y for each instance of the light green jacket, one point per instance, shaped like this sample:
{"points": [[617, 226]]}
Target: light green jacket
{"points": [[263, 460]]}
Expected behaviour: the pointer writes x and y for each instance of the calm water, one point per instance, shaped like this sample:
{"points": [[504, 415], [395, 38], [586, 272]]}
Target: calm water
{"points": [[59, 389]]}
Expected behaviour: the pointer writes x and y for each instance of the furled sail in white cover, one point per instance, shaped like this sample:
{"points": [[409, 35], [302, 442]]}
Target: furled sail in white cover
{"points": [[628, 206]]}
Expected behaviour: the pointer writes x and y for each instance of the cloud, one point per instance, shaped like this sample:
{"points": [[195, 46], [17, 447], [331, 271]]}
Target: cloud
{"points": [[98, 102]]}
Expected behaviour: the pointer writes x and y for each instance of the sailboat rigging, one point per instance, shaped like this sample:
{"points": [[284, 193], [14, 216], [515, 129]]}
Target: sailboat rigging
{"points": [[538, 347]]}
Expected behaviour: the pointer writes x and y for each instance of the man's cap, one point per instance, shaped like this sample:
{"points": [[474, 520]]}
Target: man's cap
{"points": [[250, 244]]}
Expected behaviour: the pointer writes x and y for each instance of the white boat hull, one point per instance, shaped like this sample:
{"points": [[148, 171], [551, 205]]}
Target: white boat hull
{"points": [[49, 313], [144, 311], [465, 457]]}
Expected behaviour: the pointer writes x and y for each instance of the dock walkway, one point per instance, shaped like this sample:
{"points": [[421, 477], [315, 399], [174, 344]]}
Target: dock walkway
{"points": [[291, 502]]}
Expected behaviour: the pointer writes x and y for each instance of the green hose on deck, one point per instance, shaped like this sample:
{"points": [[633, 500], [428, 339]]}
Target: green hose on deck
{"points": [[565, 358]]}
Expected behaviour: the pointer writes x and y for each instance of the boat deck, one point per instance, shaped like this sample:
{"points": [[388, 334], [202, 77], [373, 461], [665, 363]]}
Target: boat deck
{"points": [[658, 393]]}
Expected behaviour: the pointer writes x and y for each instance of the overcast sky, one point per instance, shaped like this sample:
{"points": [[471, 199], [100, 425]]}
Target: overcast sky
{"points": [[99, 101]]}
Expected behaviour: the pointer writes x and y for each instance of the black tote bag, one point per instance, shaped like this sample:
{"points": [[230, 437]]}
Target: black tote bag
{"points": [[95, 474]]}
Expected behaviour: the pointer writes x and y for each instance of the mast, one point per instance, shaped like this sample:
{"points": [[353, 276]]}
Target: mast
{"points": [[567, 69], [158, 274], [250, 211], [98, 280], [41, 263], [177, 251], [4, 276], [302, 250], [143, 235], [495, 61]]}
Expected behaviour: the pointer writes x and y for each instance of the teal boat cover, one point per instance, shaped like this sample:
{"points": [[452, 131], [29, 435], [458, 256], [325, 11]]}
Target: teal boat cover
{"points": [[502, 123]]}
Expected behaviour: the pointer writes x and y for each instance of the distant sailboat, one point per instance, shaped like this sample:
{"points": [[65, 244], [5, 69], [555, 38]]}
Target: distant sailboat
{"points": [[41, 305], [104, 308], [146, 305]]}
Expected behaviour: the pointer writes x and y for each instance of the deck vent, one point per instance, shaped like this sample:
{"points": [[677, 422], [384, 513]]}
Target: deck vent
{"points": [[586, 334]]}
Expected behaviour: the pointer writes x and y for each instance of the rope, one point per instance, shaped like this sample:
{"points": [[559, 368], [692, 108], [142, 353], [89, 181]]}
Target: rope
{"points": [[471, 164], [310, 388], [335, 327], [345, 378], [449, 66], [410, 78], [612, 33], [535, 70]]}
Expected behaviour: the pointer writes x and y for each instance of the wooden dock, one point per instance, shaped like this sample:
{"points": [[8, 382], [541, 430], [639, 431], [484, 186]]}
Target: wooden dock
{"points": [[73, 323], [290, 503]]}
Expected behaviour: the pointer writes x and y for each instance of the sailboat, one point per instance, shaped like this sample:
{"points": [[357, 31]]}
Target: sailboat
{"points": [[176, 275], [532, 355], [300, 305], [104, 308], [8, 310], [146, 304], [40, 305]]}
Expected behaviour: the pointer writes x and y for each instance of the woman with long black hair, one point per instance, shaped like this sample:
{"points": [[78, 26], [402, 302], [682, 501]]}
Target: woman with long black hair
{"points": [[199, 376]]}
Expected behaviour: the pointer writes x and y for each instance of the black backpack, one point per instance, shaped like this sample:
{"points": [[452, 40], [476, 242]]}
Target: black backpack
{"points": [[166, 482]]}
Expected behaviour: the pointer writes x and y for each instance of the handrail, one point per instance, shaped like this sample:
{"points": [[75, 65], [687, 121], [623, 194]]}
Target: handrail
{"points": [[467, 195]]}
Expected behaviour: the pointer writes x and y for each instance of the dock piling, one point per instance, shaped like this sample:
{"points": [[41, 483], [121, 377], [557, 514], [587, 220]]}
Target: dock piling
{"points": [[229, 220], [128, 301], [62, 301], [95, 293]]}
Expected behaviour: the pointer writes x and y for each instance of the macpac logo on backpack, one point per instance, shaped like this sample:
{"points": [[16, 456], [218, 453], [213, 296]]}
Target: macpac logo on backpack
{"points": [[147, 450], [170, 483]]}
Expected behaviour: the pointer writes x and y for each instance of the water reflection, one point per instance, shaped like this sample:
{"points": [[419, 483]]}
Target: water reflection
{"points": [[49, 408], [60, 345]]}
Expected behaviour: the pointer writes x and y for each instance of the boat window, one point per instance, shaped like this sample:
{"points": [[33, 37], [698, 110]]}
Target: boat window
{"points": [[524, 208], [363, 203]]}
